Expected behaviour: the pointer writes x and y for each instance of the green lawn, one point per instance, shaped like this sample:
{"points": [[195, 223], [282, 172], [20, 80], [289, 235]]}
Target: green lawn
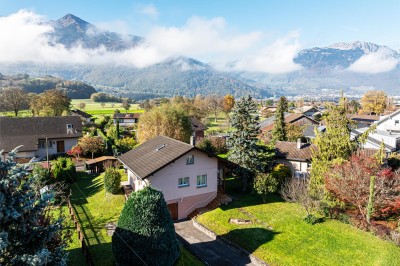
{"points": [[279, 236], [94, 209]]}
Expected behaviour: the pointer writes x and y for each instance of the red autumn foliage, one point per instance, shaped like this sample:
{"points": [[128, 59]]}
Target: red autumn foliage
{"points": [[350, 181], [75, 151]]}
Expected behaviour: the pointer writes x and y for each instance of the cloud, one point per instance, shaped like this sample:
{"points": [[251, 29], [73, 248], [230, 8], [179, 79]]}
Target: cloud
{"points": [[25, 38], [274, 58], [148, 10], [378, 62]]}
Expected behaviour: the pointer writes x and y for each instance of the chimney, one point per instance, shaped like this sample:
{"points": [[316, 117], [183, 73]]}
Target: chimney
{"points": [[299, 144], [192, 141]]}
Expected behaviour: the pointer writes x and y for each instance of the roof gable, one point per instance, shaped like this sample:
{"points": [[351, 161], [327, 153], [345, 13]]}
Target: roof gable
{"points": [[289, 151]]}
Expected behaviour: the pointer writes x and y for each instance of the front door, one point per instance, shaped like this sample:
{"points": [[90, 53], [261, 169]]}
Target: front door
{"points": [[173, 210], [60, 146]]}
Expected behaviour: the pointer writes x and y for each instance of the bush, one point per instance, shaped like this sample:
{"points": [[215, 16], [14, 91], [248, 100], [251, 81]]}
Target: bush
{"points": [[281, 172], [145, 234], [112, 180], [264, 184], [206, 145], [213, 145], [63, 170]]}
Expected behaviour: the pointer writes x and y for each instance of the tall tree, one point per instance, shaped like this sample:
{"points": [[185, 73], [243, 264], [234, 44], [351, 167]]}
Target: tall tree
{"points": [[228, 103], [28, 233], [126, 105], [91, 144], [214, 103], [243, 139], [279, 130], [51, 103], [145, 234], [14, 99], [333, 145], [374, 101], [166, 120]]}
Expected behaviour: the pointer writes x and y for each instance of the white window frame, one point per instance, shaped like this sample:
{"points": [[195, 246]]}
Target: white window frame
{"points": [[182, 183], [396, 122], [70, 126], [201, 184], [190, 159]]}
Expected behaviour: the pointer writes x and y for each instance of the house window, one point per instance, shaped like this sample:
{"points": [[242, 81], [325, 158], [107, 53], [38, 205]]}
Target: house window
{"points": [[201, 180], [183, 182], [42, 144], [70, 126], [396, 122], [190, 159]]}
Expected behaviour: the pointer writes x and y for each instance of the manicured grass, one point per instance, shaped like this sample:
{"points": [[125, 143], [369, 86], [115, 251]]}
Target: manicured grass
{"points": [[279, 236], [94, 209]]}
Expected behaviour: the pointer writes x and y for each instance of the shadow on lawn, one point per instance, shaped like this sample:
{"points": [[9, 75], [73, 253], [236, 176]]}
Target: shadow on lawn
{"points": [[84, 187], [250, 238]]}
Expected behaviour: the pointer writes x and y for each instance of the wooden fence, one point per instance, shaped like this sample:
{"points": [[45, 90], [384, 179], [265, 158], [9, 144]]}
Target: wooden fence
{"points": [[81, 237]]}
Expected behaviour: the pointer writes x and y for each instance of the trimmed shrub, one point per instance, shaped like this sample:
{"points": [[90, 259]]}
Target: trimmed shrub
{"points": [[63, 169], [145, 234], [206, 145], [112, 180]]}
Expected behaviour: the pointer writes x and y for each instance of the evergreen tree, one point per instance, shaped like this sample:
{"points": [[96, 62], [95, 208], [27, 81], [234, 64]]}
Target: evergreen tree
{"points": [[334, 145], [145, 234], [243, 140], [279, 131], [28, 233]]}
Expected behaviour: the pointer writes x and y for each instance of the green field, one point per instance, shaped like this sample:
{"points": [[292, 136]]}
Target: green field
{"points": [[95, 108], [279, 236]]}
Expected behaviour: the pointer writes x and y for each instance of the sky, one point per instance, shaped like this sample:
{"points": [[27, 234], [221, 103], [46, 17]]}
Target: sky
{"points": [[243, 34]]}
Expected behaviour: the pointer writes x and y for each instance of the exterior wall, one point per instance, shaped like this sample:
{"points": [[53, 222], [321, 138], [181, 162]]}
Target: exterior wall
{"points": [[22, 154], [188, 204], [389, 124], [189, 197], [294, 165], [125, 121], [68, 144]]}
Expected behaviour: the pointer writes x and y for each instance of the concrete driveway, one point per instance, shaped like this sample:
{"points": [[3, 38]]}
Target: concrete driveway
{"points": [[210, 250]]}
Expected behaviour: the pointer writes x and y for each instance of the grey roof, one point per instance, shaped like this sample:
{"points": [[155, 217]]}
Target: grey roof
{"points": [[154, 154], [373, 140], [309, 130], [27, 131]]}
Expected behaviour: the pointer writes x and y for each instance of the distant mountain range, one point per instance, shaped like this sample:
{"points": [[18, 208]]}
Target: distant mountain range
{"points": [[324, 70]]}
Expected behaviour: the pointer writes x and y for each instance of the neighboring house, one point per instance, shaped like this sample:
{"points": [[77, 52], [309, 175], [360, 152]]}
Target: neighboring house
{"points": [[188, 177], [61, 132], [86, 118], [308, 111], [126, 120], [363, 120], [296, 155], [198, 128], [387, 130], [264, 111], [298, 119]]}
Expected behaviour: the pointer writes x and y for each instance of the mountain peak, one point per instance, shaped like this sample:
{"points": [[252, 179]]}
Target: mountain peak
{"points": [[367, 47], [72, 20]]}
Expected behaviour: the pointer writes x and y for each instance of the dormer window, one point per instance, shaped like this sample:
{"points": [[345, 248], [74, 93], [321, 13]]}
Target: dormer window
{"points": [[190, 159], [70, 128]]}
